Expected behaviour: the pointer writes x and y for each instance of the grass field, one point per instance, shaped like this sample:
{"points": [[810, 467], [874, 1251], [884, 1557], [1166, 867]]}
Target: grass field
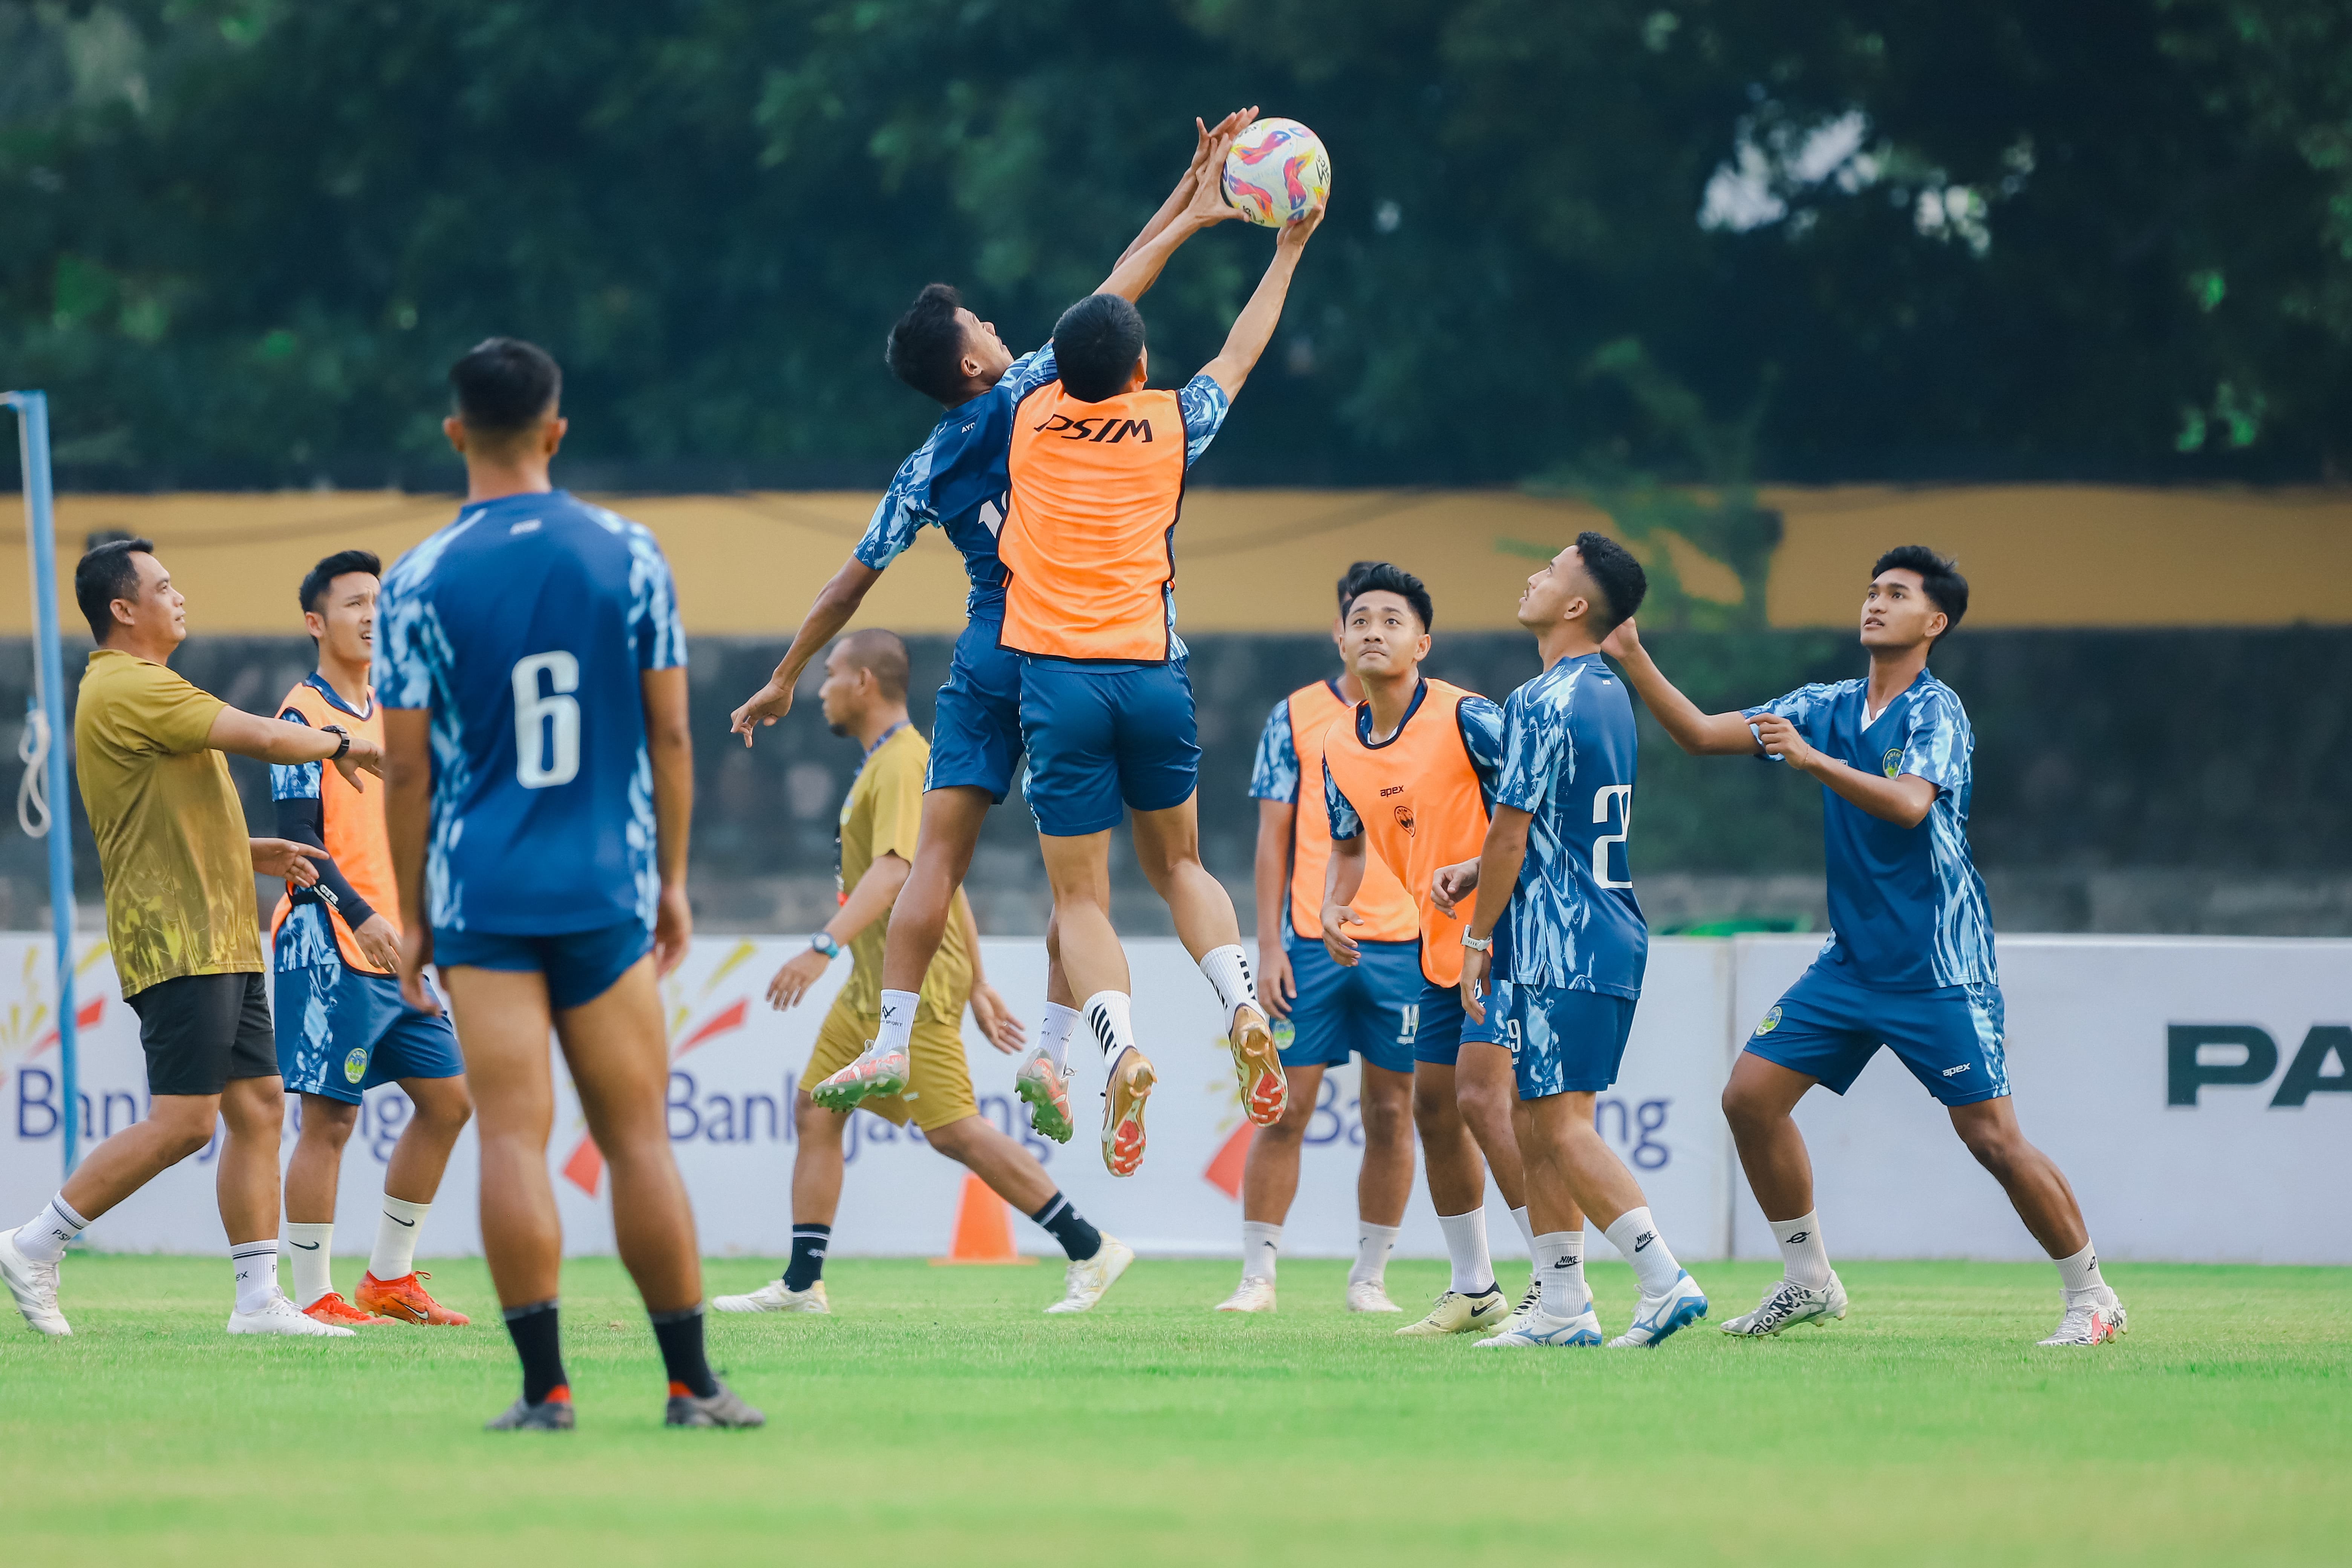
{"points": [[939, 1417]]}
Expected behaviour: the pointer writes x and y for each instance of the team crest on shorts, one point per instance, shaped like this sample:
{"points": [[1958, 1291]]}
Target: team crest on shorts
{"points": [[355, 1065], [1892, 760], [1770, 1020]]}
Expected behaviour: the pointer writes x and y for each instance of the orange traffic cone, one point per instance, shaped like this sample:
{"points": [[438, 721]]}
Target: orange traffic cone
{"points": [[1224, 1172], [983, 1228]]}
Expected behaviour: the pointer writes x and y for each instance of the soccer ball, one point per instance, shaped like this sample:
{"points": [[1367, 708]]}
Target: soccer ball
{"points": [[1276, 171]]}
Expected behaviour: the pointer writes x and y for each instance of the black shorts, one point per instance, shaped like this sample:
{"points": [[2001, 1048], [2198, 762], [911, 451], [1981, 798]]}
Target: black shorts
{"points": [[201, 1030]]}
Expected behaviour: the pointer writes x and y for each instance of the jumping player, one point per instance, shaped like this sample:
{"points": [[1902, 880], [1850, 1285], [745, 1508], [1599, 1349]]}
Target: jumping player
{"points": [[180, 921], [1408, 778], [1098, 469], [1568, 969], [865, 698], [956, 480], [1367, 1009], [540, 781], [1909, 961], [341, 1027]]}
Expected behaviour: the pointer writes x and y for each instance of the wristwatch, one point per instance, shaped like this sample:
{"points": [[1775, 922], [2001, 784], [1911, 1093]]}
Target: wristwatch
{"points": [[1476, 943], [342, 751], [825, 945]]}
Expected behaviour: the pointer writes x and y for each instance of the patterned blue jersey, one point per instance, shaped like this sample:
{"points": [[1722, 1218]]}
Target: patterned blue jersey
{"points": [[1568, 762], [523, 627], [1907, 910], [957, 481], [1274, 773]]}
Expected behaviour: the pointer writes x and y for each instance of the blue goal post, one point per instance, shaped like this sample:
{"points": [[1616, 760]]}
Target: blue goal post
{"points": [[44, 807]]}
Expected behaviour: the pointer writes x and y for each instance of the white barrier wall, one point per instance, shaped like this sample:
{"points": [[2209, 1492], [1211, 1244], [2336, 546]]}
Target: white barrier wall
{"points": [[2102, 1033]]}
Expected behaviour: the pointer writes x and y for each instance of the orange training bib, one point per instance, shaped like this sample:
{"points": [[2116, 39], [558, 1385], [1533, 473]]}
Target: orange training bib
{"points": [[1388, 910], [352, 824]]}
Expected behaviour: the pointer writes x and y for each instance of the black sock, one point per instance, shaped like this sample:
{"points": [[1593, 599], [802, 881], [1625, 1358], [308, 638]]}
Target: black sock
{"points": [[1079, 1241], [533, 1329], [807, 1266], [680, 1336]]}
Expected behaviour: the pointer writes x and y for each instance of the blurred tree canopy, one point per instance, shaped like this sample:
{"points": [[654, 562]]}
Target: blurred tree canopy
{"points": [[1710, 240]]}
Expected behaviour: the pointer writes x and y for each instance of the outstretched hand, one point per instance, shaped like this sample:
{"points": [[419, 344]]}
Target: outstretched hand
{"points": [[1299, 230], [1208, 204], [1206, 165], [767, 704]]}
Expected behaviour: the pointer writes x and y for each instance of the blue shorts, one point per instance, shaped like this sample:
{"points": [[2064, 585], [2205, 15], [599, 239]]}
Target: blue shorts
{"points": [[1828, 1027], [1441, 1028], [580, 965], [976, 731], [1367, 1011], [1561, 1042], [1101, 737], [341, 1031]]}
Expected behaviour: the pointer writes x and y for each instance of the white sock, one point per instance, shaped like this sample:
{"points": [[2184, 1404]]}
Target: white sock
{"points": [[1373, 1245], [897, 1022], [257, 1274], [1228, 970], [1635, 1235], [1054, 1034], [1260, 1243], [2081, 1276], [1466, 1246], [312, 1256], [1559, 1268], [395, 1238], [1527, 1228], [1107, 1014], [1802, 1257], [45, 1238]]}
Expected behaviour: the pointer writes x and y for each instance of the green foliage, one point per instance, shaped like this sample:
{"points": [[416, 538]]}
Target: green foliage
{"points": [[244, 239]]}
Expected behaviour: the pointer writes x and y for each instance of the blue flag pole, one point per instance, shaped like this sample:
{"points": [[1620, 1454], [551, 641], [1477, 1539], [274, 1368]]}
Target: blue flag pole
{"points": [[40, 530]]}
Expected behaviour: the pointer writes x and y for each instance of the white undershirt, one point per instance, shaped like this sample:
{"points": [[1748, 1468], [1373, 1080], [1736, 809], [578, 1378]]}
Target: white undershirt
{"points": [[1870, 715]]}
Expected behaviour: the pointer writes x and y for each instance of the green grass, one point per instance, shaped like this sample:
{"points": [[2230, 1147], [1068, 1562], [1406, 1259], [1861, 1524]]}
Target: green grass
{"points": [[938, 1417]]}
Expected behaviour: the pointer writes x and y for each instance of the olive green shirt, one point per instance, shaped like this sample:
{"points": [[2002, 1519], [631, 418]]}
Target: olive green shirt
{"points": [[880, 817], [172, 840]]}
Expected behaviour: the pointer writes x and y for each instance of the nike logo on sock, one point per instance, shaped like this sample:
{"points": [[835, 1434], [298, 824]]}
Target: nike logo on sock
{"points": [[305, 1247], [397, 1220], [1572, 1262], [1645, 1239]]}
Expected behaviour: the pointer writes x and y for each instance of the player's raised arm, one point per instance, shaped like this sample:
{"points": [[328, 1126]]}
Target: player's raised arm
{"points": [[1701, 734], [275, 741], [836, 602], [1253, 328], [1204, 206], [1211, 143]]}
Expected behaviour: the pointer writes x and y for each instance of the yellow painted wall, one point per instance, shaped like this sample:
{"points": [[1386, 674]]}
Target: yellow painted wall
{"points": [[1264, 560]]}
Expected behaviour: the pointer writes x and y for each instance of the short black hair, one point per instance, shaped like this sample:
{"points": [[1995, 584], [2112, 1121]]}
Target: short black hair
{"points": [[884, 653], [1622, 583], [104, 575], [1095, 345], [503, 385], [341, 564], [924, 349], [1938, 578], [1386, 577]]}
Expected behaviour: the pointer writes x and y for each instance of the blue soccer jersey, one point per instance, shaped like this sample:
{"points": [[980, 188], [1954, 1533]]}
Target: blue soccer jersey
{"points": [[1573, 924], [523, 627], [1907, 910]]}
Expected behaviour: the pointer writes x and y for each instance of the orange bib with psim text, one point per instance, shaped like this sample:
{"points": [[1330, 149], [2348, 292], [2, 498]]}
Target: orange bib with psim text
{"points": [[1389, 913]]}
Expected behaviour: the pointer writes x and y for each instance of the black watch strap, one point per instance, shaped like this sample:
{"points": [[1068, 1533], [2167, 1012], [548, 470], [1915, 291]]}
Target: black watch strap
{"points": [[343, 749]]}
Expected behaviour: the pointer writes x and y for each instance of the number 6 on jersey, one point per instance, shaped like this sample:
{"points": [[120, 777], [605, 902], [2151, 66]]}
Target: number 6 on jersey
{"points": [[546, 726]]}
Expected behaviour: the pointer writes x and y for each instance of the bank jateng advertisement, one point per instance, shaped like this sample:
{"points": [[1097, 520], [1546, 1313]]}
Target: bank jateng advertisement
{"points": [[2194, 1092]]}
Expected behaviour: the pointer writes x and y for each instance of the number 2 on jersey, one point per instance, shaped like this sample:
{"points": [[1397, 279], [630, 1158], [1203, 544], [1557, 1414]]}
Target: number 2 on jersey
{"points": [[546, 726], [1623, 795]]}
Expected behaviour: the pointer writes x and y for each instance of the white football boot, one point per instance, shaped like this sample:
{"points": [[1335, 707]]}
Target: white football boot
{"points": [[775, 1297], [2092, 1323], [1253, 1294], [1532, 1327], [1363, 1296], [1526, 1304], [1788, 1304], [1088, 1277], [35, 1286], [1657, 1317], [1456, 1313], [280, 1316]]}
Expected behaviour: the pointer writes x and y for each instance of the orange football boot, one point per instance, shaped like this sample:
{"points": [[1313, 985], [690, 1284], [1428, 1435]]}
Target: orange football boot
{"points": [[406, 1300], [333, 1309]]}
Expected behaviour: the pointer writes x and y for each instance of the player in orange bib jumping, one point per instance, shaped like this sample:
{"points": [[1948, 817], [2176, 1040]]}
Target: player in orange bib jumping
{"points": [[1098, 468], [1409, 778], [335, 952]]}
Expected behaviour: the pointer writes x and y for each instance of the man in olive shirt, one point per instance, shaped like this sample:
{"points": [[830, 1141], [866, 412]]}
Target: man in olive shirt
{"points": [[182, 920]]}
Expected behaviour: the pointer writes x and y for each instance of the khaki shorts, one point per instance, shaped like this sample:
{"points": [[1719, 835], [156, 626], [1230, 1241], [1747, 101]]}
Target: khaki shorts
{"points": [[938, 1089]]}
